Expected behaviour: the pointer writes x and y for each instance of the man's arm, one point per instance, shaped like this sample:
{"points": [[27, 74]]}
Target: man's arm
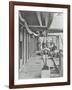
{"points": [[28, 29]]}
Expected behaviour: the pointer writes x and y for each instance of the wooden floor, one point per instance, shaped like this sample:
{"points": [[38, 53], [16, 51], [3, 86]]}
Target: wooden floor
{"points": [[33, 68]]}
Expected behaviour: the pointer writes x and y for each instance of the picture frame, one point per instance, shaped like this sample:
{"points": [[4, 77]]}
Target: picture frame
{"points": [[32, 16]]}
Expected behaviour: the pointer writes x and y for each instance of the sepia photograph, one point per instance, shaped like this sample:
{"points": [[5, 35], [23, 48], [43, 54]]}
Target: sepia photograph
{"points": [[39, 44]]}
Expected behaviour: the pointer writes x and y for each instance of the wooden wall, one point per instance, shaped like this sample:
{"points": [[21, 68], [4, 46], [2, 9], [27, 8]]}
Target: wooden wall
{"points": [[27, 46]]}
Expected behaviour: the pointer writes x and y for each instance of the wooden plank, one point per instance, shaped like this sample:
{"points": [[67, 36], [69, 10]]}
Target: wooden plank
{"points": [[39, 18]]}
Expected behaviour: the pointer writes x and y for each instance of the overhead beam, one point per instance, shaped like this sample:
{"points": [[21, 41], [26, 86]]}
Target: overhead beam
{"points": [[36, 26], [46, 20], [39, 18], [55, 31], [32, 25], [42, 28]]}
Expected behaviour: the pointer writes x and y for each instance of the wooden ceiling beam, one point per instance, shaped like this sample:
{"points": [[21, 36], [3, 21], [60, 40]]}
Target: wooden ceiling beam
{"points": [[46, 20], [39, 18]]}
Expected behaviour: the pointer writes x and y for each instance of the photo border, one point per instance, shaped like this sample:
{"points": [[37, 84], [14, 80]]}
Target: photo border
{"points": [[12, 4]]}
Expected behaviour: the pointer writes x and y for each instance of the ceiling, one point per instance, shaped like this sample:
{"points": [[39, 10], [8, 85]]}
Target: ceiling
{"points": [[43, 20]]}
